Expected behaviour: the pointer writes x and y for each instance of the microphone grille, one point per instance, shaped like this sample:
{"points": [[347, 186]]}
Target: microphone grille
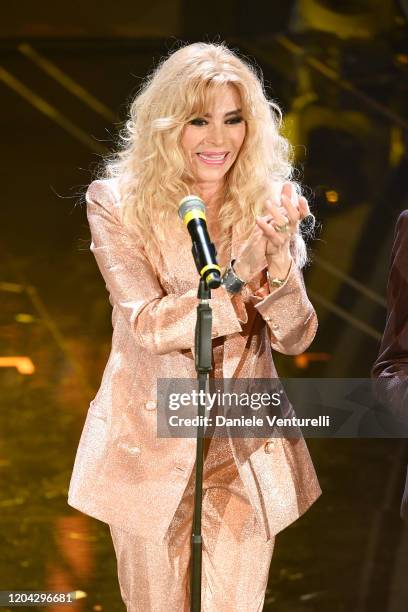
{"points": [[190, 202]]}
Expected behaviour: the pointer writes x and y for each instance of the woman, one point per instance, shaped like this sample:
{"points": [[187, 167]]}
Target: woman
{"points": [[200, 125]]}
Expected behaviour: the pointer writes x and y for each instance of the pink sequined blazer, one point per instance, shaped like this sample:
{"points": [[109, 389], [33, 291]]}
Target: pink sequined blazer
{"points": [[124, 474]]}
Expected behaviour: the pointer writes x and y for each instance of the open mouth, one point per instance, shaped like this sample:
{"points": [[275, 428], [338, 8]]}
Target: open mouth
{"points": [[213, 159]]}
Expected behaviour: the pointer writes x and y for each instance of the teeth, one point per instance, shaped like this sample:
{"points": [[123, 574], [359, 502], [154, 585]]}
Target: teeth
{"points": [[212, 157]]}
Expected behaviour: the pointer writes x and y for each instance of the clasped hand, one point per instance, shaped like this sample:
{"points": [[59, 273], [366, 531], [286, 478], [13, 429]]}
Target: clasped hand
{"points": [[270, 238]]}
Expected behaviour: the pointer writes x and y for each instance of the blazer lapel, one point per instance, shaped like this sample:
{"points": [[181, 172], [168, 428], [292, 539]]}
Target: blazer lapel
{"points": [[234, 345]]}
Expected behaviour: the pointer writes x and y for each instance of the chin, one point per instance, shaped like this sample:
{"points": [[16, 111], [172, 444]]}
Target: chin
{"points": [[211, 174]]}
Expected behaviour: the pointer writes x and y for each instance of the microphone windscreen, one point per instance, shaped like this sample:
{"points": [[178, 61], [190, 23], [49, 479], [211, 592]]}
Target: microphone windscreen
{"points": [[189, 203]]}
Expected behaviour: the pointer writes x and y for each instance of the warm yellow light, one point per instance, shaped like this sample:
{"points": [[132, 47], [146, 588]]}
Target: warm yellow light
{"points": [[302, 361], [23, 317], [24, 365], [402, 58], [78, 595], [332, 197]]}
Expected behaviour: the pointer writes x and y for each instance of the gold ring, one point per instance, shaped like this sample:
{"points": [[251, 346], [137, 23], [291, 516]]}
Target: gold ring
{"points": [[282, 228]]}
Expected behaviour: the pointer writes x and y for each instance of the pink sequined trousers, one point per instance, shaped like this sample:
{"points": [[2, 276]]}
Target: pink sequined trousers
{"points": [[236, 558]]}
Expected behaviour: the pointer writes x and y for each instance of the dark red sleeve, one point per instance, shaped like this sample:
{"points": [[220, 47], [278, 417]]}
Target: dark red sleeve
{"points": [[391, 366]]}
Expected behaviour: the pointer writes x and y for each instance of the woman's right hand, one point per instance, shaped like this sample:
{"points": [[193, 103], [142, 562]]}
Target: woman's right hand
{"points": [[251, 258], [288, 212]]}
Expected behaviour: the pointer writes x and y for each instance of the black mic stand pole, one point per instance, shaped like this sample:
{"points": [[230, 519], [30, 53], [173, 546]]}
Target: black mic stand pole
{"points": [[203, 359]]}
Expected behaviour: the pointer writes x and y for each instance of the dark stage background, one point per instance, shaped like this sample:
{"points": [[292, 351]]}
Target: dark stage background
{"points": [[67, 73]]}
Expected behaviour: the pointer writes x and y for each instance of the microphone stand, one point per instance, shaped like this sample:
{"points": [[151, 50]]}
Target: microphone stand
{"points": [[203, 359]]}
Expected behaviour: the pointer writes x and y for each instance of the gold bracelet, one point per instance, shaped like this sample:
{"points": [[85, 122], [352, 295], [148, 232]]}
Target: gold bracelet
{"points": [[274, 282]]}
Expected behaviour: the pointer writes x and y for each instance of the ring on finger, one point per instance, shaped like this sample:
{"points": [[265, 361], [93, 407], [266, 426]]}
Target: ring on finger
{"points": [[282, 228]]}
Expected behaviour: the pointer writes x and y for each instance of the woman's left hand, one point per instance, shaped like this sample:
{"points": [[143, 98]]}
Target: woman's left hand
{"points": [[271, 235], [283, 220], [279, 225]]}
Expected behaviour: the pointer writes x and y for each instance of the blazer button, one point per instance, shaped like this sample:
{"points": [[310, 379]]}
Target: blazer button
{"points": [[269, 446], [150, 405], [134, 450]]}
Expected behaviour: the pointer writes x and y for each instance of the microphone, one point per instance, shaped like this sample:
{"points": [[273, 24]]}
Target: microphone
{"points": [[192, 213]]}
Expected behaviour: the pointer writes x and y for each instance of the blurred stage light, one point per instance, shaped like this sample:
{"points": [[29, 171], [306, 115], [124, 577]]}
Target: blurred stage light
{"points": [[23, 317], [362, 19], [78, 595], [303, 361], [24, 365], [332, 197]]}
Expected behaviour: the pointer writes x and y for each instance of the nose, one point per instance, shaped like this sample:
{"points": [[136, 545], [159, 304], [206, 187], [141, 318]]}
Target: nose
{"points": [[215, 134]]}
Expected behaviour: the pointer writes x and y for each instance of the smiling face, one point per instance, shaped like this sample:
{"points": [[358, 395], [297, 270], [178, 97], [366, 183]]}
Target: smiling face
{"points": [[211, 143]]}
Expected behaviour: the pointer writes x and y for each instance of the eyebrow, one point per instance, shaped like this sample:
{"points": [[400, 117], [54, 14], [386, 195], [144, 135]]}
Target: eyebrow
{"points": [[233, 112]]}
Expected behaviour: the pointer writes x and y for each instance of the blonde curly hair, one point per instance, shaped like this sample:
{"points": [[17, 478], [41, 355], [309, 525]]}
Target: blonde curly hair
{"points": [[151, 168]]}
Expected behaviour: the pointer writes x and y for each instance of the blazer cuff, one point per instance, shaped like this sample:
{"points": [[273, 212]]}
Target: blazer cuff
{"points": [[264, 299], [228, 313], [288, 311]]}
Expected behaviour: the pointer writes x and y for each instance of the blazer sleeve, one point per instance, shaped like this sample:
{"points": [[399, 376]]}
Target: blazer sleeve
{"points": [[391, 365], [159, 322], [288, 313]]}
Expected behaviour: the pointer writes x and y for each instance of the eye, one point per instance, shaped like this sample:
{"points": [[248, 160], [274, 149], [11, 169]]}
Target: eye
{"points": [[198, 121], [235, 120]]}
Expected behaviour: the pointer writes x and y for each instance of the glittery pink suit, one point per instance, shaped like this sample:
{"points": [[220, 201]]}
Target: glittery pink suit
{"points": [[142, 485], [236, 557]]}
